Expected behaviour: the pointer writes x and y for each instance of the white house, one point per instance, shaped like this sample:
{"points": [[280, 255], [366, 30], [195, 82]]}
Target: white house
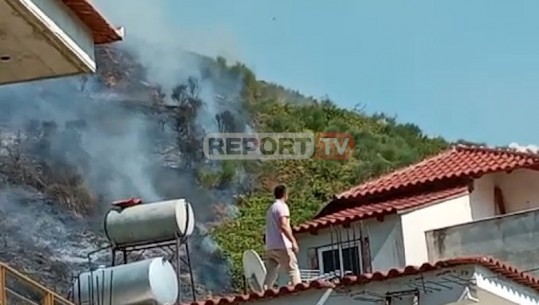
{"points": [[50, 38], [479, 280], [382, 224], [403, 219]]}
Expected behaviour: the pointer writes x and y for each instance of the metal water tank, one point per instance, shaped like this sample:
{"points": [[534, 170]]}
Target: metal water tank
{"points": [[150, 223], [152, 281]]}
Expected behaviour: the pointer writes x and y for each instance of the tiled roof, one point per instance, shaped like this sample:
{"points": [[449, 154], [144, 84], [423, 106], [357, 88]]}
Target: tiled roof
{"points": [[102, 31], [270, 293], [381, 208], [459, 161], [493, 265]]}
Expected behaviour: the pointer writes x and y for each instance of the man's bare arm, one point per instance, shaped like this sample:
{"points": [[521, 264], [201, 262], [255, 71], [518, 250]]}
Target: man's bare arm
{"points": [[287, 230]]}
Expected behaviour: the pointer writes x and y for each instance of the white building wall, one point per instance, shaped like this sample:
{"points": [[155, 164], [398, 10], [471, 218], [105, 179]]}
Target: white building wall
{"points": [[385, 238], [415, 223], [520, 189], [482, 198], [386, 243]]}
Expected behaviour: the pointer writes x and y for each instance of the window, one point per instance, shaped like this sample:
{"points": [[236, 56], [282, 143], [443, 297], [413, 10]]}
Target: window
{"points": [[341, 259]]}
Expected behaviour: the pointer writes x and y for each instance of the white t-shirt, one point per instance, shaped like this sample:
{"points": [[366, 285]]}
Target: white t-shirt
{"points": [[275, 239]]}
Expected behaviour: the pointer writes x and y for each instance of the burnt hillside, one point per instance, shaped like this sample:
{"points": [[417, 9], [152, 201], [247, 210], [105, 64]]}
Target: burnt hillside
{"points": [[69, 147]]}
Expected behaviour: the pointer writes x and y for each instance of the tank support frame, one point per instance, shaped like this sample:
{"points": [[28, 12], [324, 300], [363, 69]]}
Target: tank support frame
{"points": [[133, 252], [173, 250]]}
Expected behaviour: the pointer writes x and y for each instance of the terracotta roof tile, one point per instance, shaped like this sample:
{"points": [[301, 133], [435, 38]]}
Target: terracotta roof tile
{"points": [[492, 264], [381, 208], [270, 293], [459, 161], [102, 31]]}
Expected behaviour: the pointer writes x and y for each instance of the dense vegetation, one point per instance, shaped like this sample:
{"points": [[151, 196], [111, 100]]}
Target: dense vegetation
{"points": [[382, 145]]}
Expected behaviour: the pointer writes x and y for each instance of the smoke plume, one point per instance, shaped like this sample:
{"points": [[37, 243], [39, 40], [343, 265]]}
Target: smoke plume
{"points": [[159, 42], [84, 143], [530, 148]]}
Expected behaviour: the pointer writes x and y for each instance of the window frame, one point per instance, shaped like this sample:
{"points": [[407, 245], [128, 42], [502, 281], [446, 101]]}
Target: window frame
{"points": [[339, 247]]}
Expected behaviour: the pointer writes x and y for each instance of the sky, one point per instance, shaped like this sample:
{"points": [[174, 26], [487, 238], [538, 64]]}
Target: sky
{"points": [[460, 69]]}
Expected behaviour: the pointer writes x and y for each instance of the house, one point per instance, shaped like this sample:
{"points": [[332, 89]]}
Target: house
{"points": [[480, 280], [463, 201], [404, 217], [50, 38]]}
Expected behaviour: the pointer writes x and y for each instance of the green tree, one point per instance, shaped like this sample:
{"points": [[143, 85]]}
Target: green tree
{"points": [[382, 145]]}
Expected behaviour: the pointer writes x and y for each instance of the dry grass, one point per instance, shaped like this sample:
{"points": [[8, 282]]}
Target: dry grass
{"points": [[21, 165]]}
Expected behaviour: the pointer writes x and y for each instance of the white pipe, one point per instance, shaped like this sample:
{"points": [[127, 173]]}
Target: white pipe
{"points": [[323, 299]]}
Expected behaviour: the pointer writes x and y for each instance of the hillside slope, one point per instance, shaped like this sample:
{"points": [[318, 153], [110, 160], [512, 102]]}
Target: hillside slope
{"points": [[382, 145], [69, 147]]}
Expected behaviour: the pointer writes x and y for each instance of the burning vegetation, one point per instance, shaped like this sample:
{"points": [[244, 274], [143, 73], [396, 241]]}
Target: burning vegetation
{"points": [[79, 144]]}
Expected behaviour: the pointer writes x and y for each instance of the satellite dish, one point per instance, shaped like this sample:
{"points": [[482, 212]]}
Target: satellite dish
{"points": [[254, 270]]}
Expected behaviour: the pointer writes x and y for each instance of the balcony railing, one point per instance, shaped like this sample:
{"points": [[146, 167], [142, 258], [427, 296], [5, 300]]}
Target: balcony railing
{"points": [[308, 275], [18, 289], [513, 238]]}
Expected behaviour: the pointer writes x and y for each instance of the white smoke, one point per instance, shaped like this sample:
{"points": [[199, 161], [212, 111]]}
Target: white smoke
{"points": [[160, 43], [115, 141], [118, 145], [524, 148]]}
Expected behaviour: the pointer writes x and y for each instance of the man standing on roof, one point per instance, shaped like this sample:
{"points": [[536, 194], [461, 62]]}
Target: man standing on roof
{"points": [[281, 246]]}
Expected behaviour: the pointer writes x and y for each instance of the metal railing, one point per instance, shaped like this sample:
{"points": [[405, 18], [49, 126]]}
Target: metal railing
{"points": [[18, 289], [309, 275]]}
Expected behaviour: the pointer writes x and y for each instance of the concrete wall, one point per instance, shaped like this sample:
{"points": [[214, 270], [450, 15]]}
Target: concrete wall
{"points": [[385, 240], [415, 223], [512, 238]]}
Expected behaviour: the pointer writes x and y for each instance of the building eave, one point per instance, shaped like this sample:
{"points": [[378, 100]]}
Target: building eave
{"points": [[103, 31]]}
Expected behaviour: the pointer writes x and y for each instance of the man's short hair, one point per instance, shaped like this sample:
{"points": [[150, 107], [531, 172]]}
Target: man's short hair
{"points": [[279, 191]]}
